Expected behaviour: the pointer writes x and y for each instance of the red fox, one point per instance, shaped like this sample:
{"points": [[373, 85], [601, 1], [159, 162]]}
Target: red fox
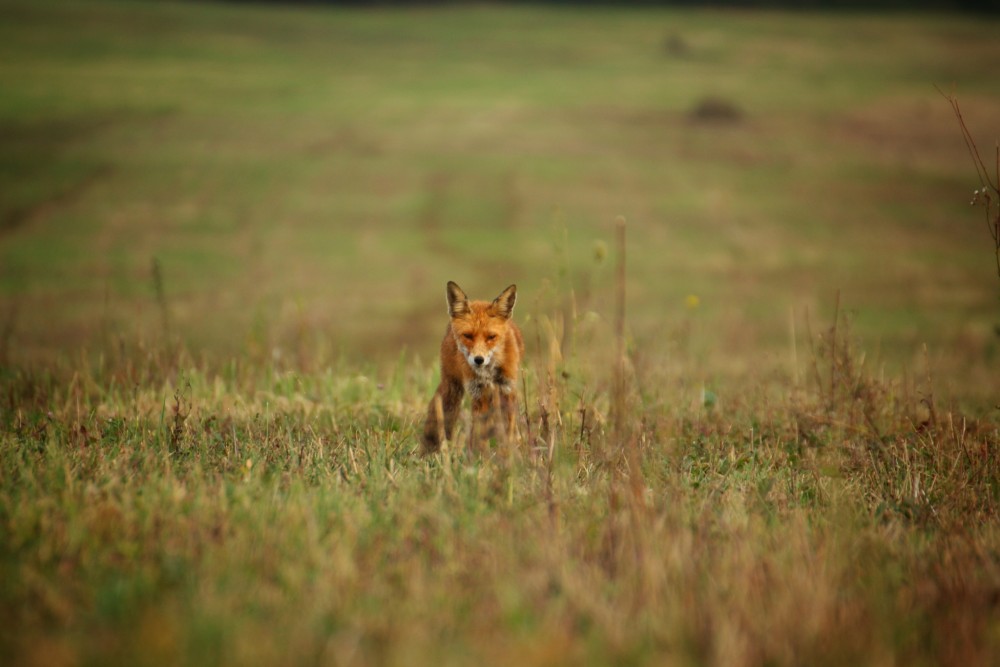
{"points": [[480, 354]]}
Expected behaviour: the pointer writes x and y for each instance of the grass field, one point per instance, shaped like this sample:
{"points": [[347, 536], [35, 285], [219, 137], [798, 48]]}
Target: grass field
{"points": [[225, 232]]}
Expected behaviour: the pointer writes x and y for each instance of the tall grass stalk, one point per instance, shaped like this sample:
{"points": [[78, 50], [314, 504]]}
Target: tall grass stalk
{"points": [[988, 196]]}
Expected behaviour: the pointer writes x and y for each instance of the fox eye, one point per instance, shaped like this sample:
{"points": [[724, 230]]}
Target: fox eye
{"points": [[491, 336], [468, 336]]}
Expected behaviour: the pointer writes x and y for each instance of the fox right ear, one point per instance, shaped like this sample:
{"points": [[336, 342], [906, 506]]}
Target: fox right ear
{"points": [[504, 304], [458, 303]]}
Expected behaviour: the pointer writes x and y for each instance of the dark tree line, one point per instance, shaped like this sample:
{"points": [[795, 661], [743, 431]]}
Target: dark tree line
{"points": [[984, 6]]}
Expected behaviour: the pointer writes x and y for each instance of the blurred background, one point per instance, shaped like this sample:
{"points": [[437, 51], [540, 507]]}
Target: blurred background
{"points": [[295, 183]]}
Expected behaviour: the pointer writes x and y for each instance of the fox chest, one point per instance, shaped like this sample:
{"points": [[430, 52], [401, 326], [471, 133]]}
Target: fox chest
{"points": [[484, 383]]}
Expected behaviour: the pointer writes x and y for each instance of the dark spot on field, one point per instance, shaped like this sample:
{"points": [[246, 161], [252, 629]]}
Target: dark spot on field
{"points": [[676, 46], [716, 110]]}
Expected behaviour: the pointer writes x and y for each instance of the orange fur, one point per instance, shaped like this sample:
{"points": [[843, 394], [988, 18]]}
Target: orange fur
{"points": [[480, 356]]}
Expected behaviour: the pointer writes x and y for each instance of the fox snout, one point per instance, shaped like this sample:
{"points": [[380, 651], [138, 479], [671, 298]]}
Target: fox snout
{"points": [[478, 359]]}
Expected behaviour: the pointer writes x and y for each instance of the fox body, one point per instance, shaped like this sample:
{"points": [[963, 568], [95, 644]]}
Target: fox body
{"points": [[480, 356]]}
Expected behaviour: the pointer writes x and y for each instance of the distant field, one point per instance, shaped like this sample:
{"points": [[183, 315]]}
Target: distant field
{"points": [[326, 171], [225, 232]]}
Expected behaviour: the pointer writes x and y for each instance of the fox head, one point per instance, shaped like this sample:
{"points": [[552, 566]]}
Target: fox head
{"points": [[480, 327]]}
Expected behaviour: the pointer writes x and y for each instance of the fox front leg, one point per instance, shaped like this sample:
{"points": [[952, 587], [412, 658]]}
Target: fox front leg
{"points": [[508, 407], [441, 415]]}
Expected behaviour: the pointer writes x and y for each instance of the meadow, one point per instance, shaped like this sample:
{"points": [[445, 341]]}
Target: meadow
{"points": [[762, 430]]}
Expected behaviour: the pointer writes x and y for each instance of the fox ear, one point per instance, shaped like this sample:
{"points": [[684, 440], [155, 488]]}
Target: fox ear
{"points": [[504, 304], [458, 303]]}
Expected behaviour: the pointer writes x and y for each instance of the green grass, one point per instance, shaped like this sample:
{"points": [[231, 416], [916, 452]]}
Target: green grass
{"points": [[250, 516], [215, 461]]}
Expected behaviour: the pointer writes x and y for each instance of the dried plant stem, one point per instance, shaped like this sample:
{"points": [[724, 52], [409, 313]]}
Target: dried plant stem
{"points": [[833, 351], [618, 389], [982, 172], [970, 143], [624, 442], [794, 344]]}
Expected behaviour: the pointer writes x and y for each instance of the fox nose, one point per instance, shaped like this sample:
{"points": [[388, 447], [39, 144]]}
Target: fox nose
{"points": [[479, 361]]}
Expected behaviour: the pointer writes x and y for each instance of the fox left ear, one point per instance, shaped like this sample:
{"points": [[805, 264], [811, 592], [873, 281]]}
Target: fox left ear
{"points": [[458, 303], [504, 304]]}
